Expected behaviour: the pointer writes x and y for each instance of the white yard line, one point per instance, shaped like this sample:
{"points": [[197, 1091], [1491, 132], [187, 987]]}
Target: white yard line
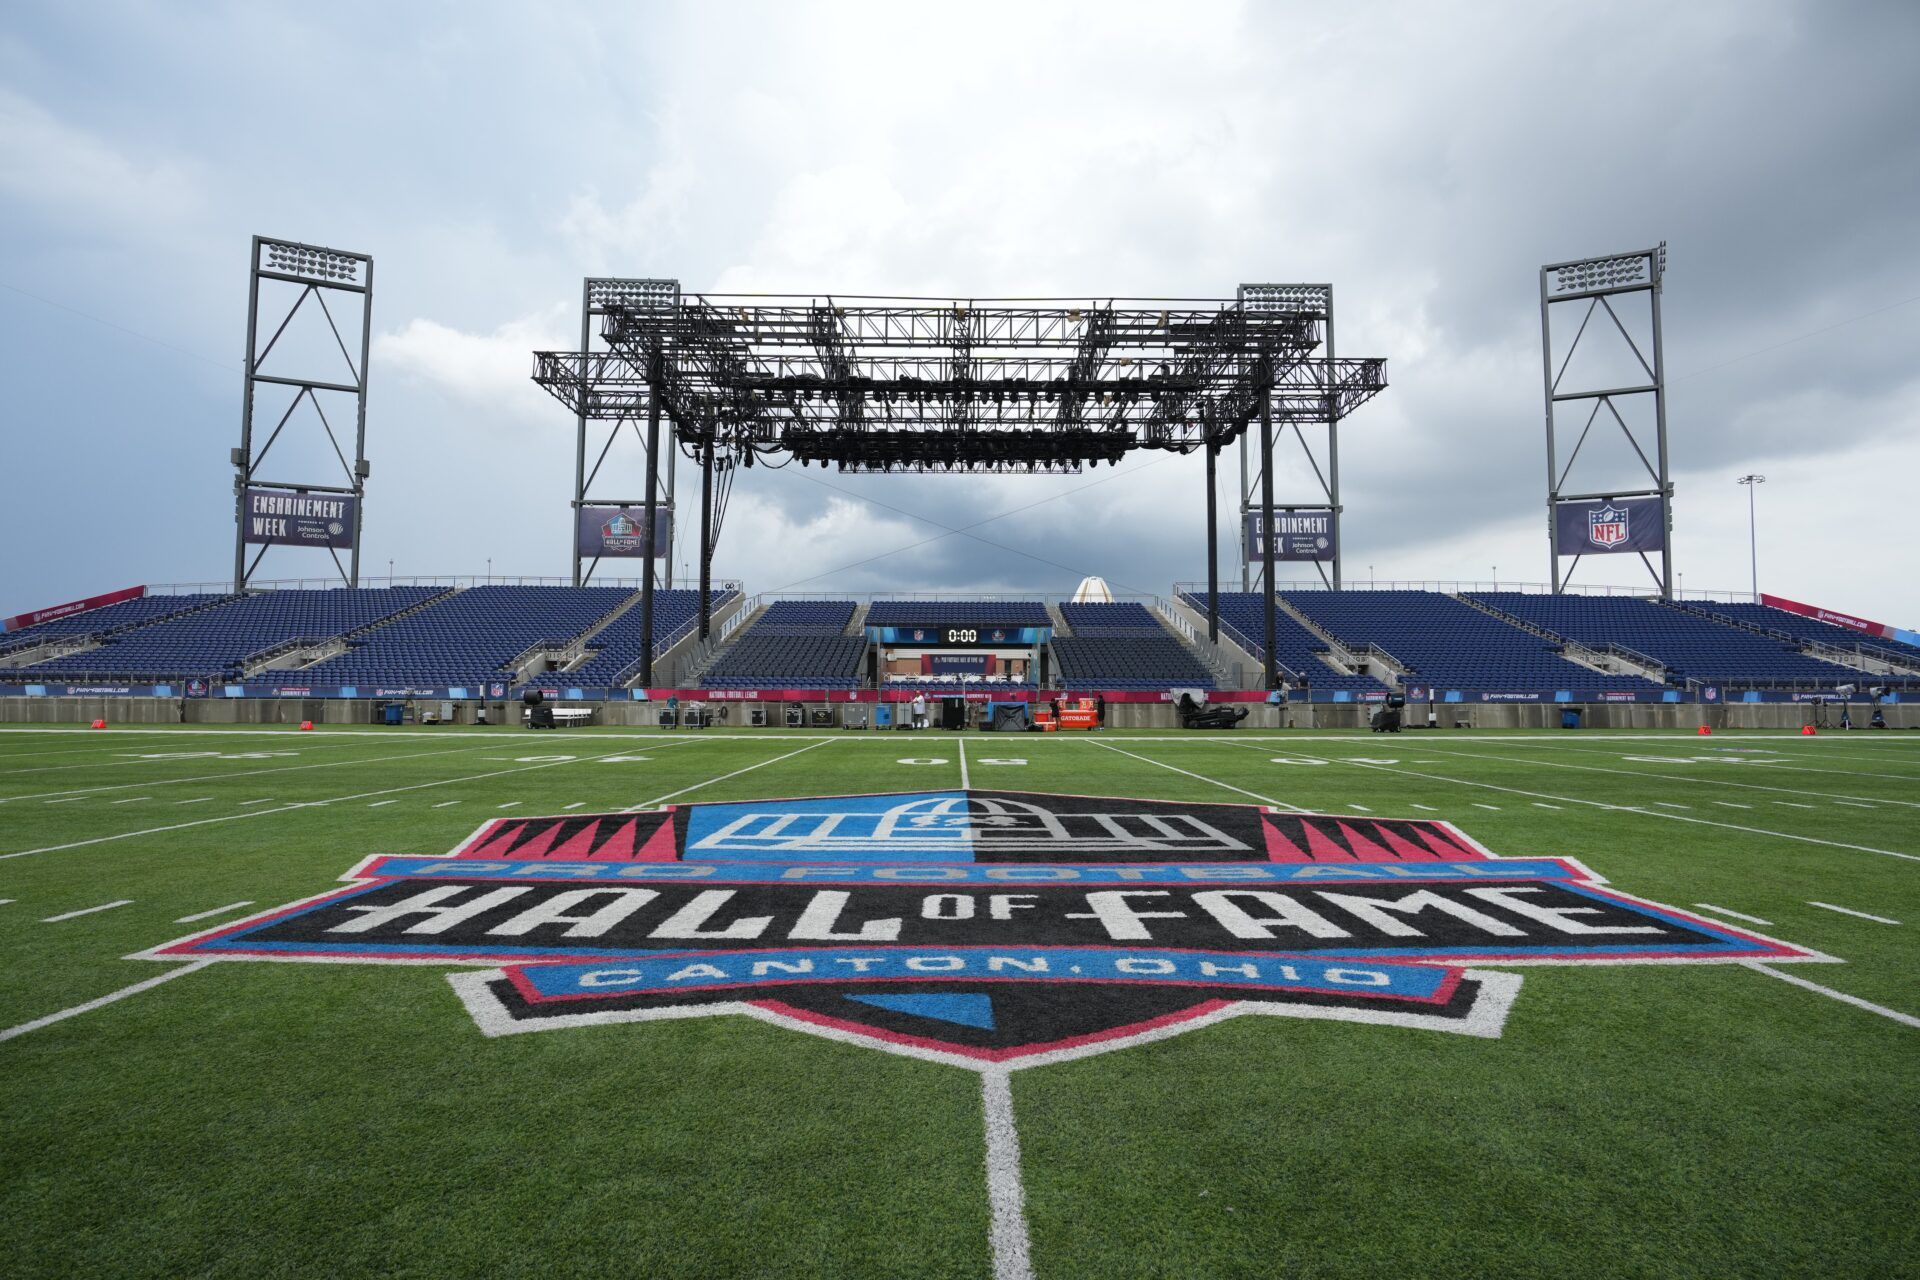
{"points": [[1541, 804], [1616, 808], [1771, 766], [130, 800], [1362, 808], [1201, 777], [1853, 804], [1668, 804], [1728, 804], [1006, 1193], [511, 804], [216, 911], [1737, 915], [1903, 1018], [655, 804], [5, 901], [91, 1005], [122, 758], [575, 805], [1849, 911], [243, 773], [1718, 781], [446, 804], [964, 782], [245, 803], [68, 800], [87, 911], [377, 803], [195, 800], [1793, 804], [1429, 808], [1494, 807], [290, 808]]}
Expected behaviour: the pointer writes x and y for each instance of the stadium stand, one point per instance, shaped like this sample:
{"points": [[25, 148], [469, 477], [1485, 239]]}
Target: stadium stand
{"points": [[108, 619], [470, 636], [1122, 646], [1444, 641], [616, 649], [1295, 647], [218, 641], [1689, 645], [793, 644], [1800, 627], [959, 613]]}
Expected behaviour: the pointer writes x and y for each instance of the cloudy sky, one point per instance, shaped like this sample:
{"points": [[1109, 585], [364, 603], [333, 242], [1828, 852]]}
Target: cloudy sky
{"points": [[1425, 158]]}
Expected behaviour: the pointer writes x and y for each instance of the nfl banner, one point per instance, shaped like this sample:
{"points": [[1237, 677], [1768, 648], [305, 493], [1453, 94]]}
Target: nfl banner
{"points": [[1603, 526], [621, 531], [1306, 534], [282, 518]]}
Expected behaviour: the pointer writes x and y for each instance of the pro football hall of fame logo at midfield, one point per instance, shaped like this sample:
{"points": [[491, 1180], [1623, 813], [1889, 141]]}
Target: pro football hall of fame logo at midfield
{"points": [[987, 929]]}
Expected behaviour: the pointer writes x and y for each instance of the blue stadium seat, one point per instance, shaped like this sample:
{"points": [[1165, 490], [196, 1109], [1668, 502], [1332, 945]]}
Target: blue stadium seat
{"points": [[217, 641], [793, 644], [1687, 644], [1295, 647], [1443, 641]]}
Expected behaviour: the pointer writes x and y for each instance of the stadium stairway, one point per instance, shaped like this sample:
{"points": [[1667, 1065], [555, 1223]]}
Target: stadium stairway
{"points": [[1343, 658], [1820, 640], [295, 654], [1240, 667], [1613, 660]]}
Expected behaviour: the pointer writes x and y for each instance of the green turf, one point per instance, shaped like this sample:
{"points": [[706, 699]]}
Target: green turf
{"points": [[258, 1119]]}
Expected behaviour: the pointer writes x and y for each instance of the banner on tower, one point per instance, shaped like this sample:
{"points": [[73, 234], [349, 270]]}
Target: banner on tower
{"points": [[284, 518], [622, 531], [1302, 533], [1603, 526]]}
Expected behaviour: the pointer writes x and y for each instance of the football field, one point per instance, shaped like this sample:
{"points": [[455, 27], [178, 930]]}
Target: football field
{"points": [[1703, 1061]]}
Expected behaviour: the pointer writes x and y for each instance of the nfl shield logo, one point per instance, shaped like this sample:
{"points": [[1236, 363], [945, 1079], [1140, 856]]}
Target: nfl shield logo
{"points": [[1607, 527]]}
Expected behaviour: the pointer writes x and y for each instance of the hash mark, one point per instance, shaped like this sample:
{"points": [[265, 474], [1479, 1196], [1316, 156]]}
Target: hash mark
{"points": [[1362, 808], [1728, 804], [87, 911], [1542, 805], [575, 805], [444, 803], [1429, 808], [130, 800], [202, 915], [195, 800], [1708, 906], [1849, 911], [377, 803], [1494, 807], [508, 805]]}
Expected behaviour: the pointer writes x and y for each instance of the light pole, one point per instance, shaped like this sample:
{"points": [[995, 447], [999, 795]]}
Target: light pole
{"points": [[1751, 480]]}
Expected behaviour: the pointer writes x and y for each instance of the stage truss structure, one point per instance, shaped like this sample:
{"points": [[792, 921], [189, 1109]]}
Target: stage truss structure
{"points": [[947, 386], [1631, 280], [321, 273]]}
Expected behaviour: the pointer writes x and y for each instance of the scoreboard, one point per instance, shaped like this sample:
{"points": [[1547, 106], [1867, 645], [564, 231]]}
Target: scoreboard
{"points": [[970, 636]]}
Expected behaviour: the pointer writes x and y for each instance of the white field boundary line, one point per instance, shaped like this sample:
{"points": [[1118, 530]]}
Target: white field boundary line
{"points": [[1620, 808], [307, 804], [1737, 915], [87, 911], [1710, 782], [1849, 911], [1905, 1019], [655, 804], [107, 999], [965, 783], [1007, 1234], [81, 792], [1201, 777], [1681, 757]]}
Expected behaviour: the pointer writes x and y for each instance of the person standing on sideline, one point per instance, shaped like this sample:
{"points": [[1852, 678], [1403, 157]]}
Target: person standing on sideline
{"points": [[919, 710]]}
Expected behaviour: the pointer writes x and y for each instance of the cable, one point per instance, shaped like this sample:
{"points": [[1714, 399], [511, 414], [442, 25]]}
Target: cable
{"points": [[134, 333]]}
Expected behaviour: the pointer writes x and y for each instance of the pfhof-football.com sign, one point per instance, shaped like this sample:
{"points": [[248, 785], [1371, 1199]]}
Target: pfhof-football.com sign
{"points": [[987, 929]]}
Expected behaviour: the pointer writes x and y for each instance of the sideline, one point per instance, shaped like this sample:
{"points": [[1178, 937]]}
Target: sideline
{"points": [[107, 999]]}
